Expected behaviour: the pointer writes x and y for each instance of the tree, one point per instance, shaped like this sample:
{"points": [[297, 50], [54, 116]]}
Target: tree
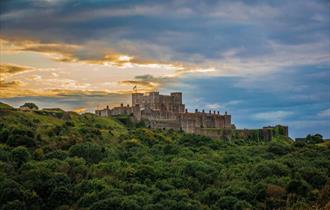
{"points": [[120, 203], [14, 205], [298, 187], [275, 196], [20, 155], [30, 106], [92, 153], [59, 196], [21, 136], [57, 154], [278, 149], [314, 139], [226, 202]]}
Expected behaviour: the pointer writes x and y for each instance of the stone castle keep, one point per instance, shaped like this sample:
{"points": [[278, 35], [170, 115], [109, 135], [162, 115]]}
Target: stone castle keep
{"points": [[168, 112]]}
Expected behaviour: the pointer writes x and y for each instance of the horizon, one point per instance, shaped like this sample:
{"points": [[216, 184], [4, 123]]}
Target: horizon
{"points": [[265, 62]]}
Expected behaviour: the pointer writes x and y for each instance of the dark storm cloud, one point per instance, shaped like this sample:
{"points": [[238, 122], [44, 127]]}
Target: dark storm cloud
{"points": [[188, 28]]}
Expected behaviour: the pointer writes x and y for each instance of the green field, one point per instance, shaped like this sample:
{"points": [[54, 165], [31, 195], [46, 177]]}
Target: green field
{"points": [[51, 159]]}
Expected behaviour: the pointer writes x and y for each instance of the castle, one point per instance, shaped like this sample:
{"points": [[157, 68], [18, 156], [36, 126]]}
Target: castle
{"points": [[168, 112]]}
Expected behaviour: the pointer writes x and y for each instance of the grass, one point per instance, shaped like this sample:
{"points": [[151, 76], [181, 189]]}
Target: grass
{"points": [[46, 123], [5, 106]]}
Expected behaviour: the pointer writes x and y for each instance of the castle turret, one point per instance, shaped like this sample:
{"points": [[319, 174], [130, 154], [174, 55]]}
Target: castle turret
{"points": [[177, 102], [177, 97], [137, 98]]}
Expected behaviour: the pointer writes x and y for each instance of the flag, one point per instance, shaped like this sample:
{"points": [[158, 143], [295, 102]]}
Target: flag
{"points": [[135, 88]]}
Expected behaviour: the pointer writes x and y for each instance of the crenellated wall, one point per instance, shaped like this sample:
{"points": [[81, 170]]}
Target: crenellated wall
{"points": [[168, 112], [262, 134], [155, 101]]}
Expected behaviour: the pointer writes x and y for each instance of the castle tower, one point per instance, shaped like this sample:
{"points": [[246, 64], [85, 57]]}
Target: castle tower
{"points": [[177, 97], [177, 102], [137, 98]]}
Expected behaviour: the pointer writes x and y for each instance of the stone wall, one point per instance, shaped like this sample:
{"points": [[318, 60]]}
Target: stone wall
{"points": [[263, 134], [155, 101], [121, 110], [168, 112]]}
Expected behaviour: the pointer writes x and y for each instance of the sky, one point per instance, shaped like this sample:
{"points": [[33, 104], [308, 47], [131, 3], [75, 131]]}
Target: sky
{"points": [[265, 62]]}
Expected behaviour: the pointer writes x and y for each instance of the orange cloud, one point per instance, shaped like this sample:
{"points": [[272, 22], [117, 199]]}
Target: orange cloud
{"points": [[17, 88], [9, 69], [11, 84], [148, 82], [78, 53], [79, 110], [85, 54], [70, 53]]}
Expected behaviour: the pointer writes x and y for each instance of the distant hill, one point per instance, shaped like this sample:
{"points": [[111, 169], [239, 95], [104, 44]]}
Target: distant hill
{"points": [[52, 159]]}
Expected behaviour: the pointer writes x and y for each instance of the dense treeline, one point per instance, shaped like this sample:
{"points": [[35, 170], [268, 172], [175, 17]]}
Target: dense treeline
{"points": [[50, 159]]}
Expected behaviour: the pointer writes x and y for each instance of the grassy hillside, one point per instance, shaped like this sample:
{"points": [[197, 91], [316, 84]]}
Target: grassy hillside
{"points": [[51, 159], [4, 106], [53, 126]]}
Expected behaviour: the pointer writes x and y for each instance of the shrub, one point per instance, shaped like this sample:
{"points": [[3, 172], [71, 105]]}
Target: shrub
{"points": [[92, 153], [298, 187], [30, 106], [278, 149], [20, 155], [14, 205], [56, 154]]}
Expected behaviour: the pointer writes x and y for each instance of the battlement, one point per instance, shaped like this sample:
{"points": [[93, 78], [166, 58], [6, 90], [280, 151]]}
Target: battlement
{"points": [[168, 112], [155, 101]]}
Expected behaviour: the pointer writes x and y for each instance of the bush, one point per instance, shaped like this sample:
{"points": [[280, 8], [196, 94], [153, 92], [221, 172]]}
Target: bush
{"points": [[314, 177], [20, 155], [14, 205], [60, 196], [226, 202], [298, 187], [278, 149], [21, 136], [314, 139], [30, 106], [115, 203], [268, 168], [56, 154], [92, 153]]}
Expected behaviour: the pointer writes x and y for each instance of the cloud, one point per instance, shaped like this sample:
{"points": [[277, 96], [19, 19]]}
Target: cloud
{"points": [[213, 106], [11, 69], [274, 116], [148, 82], [57, 51], [11, 84], [69, 100], [79, 110], [324, 113], [13, 88], [87, 54], [17, 88]]}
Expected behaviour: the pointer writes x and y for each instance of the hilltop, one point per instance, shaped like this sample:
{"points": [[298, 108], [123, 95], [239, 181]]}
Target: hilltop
{"points": [[52, 159]]}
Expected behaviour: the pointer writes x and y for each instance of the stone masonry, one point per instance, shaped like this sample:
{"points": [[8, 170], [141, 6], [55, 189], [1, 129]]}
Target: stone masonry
{"points": [[168, 112]]}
